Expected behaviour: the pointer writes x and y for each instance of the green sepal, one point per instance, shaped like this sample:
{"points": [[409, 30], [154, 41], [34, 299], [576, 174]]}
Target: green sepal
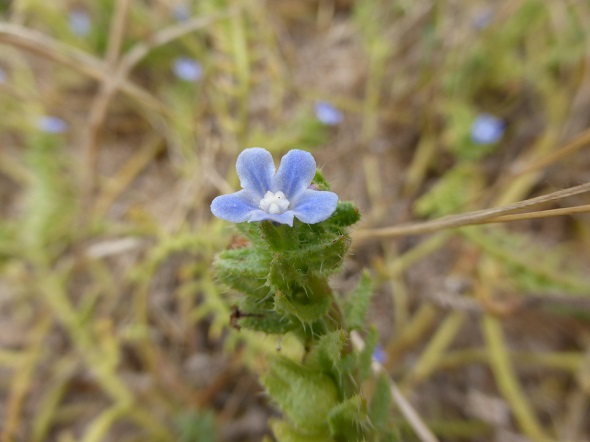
{"points": [[250, 231], [305, 396], [306, 308], [366, 355], [355, 308], [279, 237], [346, 214], [348, 420], [319, 181], [284, 432]]}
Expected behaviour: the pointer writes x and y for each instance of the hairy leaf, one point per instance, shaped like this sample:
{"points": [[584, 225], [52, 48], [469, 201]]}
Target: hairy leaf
{"points": [[305, 395], [356, 306]]}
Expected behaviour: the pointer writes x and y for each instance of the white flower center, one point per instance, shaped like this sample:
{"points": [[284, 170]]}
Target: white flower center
{"points": [[274, 203]]}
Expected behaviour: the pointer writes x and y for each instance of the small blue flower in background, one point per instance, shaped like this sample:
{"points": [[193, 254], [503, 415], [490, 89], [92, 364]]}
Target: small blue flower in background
{"points": [[79, 21], [275, 195], [379, 354], [187, 69], [327, 114], [181, 12], [51, 124], [483, 19], [487, 129], [3, 76]]}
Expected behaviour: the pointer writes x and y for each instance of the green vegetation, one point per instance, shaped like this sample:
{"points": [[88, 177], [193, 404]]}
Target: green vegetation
{"points": [[114, 324]]}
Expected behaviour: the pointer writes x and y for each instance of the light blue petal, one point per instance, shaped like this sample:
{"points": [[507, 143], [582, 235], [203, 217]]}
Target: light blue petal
{"points": [[256, 168], [283, 218], [295, 173], [236, 207], [314, 206]]}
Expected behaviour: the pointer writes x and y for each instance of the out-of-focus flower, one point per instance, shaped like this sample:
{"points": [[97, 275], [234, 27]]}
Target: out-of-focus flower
{"points": [[483, 19], [327, 114], [187, 69], [51, 124], [487, 129], [275, 195], [181, 12], [3, 76], [80, 23], [379, 354]]}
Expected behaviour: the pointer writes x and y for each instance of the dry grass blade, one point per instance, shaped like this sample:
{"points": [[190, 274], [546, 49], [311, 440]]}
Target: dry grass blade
{"points": [[573, 146], [44, 46], [466, 219], [121, 70], [540, 214], [105, 94]]}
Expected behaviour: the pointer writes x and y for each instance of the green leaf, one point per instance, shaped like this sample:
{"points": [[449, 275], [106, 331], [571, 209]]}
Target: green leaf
{"points": [[320, 256], [304, 395], [244, 270], [306, 308], [328, 351], [259, 315], [197, 426], [356, 306], [284, 432], [380, 407], [366, 356], [50, 204], [348, 420], [283, 275], [346, 214]]}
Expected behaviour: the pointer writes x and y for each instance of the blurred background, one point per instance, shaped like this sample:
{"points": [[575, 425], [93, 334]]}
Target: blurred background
{"points": [[121, 121]]}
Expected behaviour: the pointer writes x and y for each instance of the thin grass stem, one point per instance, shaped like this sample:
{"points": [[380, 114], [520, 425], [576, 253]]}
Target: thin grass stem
{"points": [[466, 219]]}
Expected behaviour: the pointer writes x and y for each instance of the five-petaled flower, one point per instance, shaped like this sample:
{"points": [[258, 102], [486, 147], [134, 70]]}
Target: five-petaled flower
{"points": [[275, 195]]}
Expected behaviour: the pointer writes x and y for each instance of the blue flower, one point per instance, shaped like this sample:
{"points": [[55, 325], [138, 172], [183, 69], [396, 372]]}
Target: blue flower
{"points": [[483, 19], [275, 195], [2, 76], [379, 354], [51, 124], [487, 129], [187, 69], [181, 12], [79, 21], [327, 114]]}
